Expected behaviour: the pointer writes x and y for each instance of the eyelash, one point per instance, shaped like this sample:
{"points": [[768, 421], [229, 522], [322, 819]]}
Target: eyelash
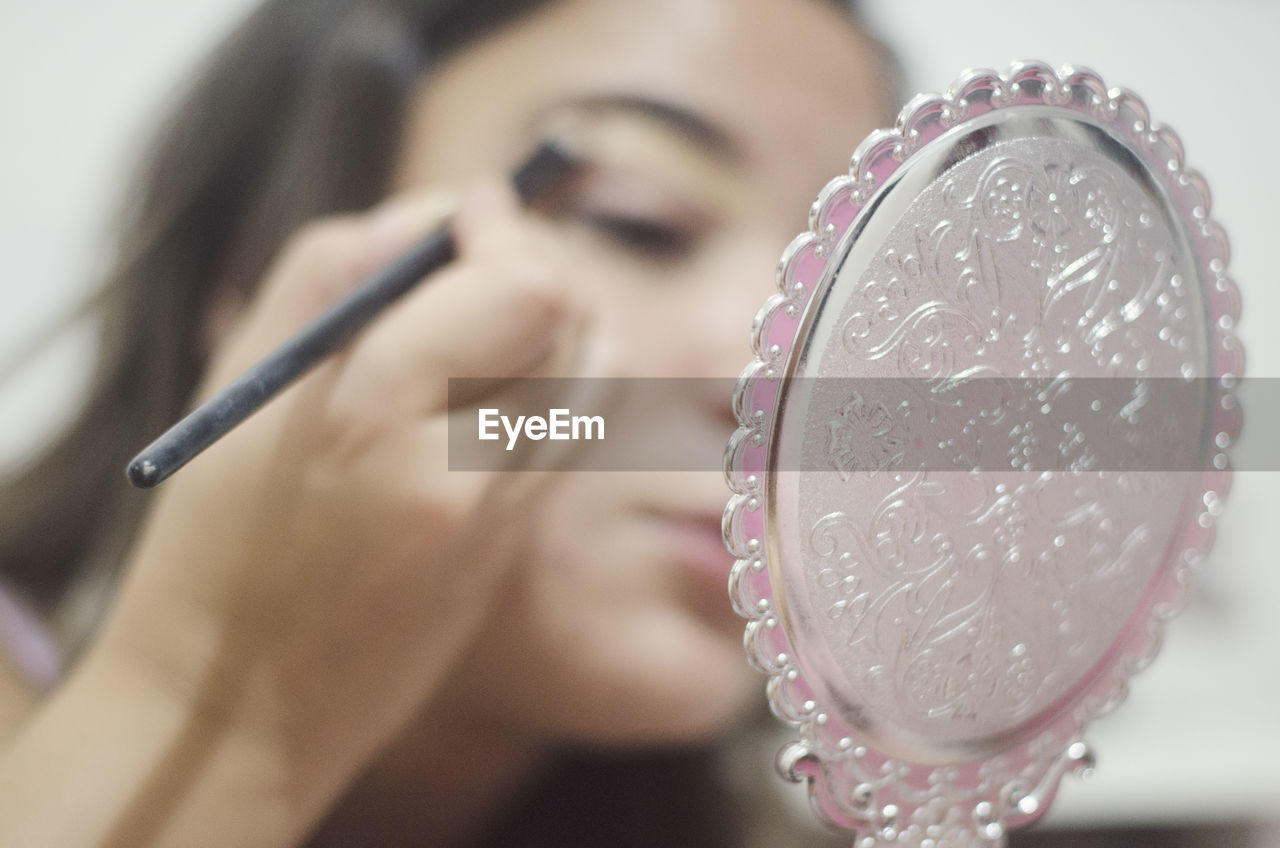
{"points": [[649, 238]]}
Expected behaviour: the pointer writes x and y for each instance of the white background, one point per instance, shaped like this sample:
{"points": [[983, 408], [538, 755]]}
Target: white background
{"points": [[1199, 739]]}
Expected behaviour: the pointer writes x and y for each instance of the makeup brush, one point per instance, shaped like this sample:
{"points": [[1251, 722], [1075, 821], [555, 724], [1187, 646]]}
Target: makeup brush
{"points": [[546, 168]]}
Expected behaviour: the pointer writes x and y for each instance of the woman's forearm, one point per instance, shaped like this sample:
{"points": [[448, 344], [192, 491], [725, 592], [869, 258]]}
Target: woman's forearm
{"points": [[298, 596]]}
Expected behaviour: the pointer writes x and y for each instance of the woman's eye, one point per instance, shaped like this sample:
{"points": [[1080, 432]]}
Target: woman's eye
{"points": [[650, 238]]}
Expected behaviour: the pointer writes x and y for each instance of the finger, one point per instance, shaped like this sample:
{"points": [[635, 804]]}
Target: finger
{"points": [[500, 312], [327, 260], [488, 218]]}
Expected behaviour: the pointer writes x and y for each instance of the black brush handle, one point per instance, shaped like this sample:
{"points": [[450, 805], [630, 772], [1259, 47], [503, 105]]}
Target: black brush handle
{"points": [[327, 334]]}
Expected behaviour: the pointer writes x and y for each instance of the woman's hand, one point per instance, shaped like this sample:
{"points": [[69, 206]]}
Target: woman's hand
{"points": [[301, 589], [319, 569]]}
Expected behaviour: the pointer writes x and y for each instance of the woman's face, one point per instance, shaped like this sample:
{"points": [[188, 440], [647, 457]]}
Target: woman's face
{"points": [[707, 128]]}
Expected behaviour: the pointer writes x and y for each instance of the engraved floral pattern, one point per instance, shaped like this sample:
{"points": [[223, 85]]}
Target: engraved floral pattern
{"points": [[863, 435], [978, 615]]}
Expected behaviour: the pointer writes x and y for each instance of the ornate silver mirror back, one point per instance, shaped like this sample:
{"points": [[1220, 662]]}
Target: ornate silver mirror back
{"points": [[981, 448]]}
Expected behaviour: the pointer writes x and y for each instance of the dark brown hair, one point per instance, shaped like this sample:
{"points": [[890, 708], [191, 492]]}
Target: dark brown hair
{"points": [[297, 116]]}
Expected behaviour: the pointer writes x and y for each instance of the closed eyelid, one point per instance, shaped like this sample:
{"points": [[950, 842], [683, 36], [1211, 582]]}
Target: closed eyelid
{"points": [[638, 194], [654, 238], [651, 183]]}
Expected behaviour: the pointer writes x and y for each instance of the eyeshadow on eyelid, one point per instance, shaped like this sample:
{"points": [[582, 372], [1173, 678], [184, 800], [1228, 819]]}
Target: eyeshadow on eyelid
{"points": [[667, 179], [650, 192]]}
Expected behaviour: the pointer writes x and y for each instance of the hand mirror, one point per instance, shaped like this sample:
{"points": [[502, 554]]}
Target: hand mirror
{"points": [[981, 448]]}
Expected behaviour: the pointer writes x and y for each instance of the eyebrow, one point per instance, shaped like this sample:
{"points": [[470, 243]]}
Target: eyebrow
{"points": [[689, 124]]}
